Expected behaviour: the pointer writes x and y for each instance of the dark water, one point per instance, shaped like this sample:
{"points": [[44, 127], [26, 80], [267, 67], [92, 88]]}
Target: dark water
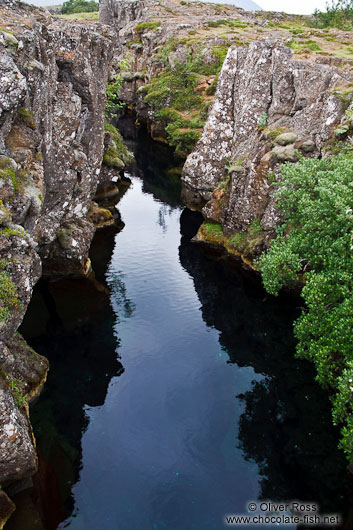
{"points": [[181, 401]]}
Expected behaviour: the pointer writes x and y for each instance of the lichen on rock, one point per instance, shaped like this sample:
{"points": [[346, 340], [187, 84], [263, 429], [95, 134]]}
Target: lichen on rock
{"points": [[53, 76], [264, 79]]}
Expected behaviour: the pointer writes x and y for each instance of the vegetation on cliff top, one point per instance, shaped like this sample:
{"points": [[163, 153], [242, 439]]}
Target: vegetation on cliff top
{"points": [[79, 6], [179, 102], [337, 15], [314, 246]]}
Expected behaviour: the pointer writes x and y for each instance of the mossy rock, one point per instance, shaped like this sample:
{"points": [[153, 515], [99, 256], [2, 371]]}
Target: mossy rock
{"points": [[8, 296], [5, 215], [286, 138], [113, 161], [64, 237], [100, 216], [147, 26], [116, 155], [27, 117]]}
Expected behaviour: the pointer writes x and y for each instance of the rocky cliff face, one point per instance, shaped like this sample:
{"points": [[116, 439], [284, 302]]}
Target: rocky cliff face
{"points": [[283, 90], [269, 108], [121, 13], [170, 53], [53, 78]]}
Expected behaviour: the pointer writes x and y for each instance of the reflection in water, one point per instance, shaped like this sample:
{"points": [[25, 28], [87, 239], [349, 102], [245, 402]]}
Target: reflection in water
{"points": [[122, 305], [286, 426], [71, 322], [210, 410]]}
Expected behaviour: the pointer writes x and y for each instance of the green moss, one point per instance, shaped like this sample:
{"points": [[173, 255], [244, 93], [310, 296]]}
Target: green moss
{"points": [[8, 295], [239, 243], [27, 117], [117, 155], [8, 232], [145, 26], [183, 139], [255, 228], [214, 229], [272, 133], [17, 388], [173, 94], [237, 240], [211, 90], [307, 45], [220, 52], [232, 23], [9, 174]]}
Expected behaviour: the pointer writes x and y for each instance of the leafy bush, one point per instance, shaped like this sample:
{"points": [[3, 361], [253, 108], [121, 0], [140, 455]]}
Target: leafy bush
{"points": [[314, 248], [79, 6], [337, 15], [113, 104]]}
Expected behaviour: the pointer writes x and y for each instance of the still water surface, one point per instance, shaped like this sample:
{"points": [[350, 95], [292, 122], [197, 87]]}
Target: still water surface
{"points": [[181, 401]]}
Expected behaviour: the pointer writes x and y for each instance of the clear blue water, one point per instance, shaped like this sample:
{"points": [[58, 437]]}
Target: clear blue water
{"points": [[179, 401]]}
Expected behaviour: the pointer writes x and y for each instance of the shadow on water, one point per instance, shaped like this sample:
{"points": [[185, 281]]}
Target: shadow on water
{"points": [[286, 427], [70, 322], [154, 163]]}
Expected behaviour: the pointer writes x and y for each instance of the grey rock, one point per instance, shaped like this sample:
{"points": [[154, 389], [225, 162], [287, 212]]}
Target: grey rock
{"points": [[308, 146], [12, 82], [286, 138], [263, 78], [18, 458], [52, 102], [10, 40], [34, 64], [285, 153]]}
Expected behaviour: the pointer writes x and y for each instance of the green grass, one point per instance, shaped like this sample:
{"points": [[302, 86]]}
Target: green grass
{"points": [[94, 17], [147, 26], [214, 229]]}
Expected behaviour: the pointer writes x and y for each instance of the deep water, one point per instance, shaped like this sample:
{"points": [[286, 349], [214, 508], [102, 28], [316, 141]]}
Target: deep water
{"points": [[174, 397]]}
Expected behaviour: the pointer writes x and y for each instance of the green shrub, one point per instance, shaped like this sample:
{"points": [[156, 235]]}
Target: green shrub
{"points": [[79, 6], [113, 104], [337, 15], [314, 247]]}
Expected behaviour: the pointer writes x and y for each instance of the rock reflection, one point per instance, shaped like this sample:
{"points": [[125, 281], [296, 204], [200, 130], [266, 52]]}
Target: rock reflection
{"points": [[154, 163], [286, 426], [71, 322]]}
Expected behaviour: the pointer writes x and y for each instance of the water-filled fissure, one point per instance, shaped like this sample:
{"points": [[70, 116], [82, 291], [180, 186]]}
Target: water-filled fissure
{"points": [[174, 397]]}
